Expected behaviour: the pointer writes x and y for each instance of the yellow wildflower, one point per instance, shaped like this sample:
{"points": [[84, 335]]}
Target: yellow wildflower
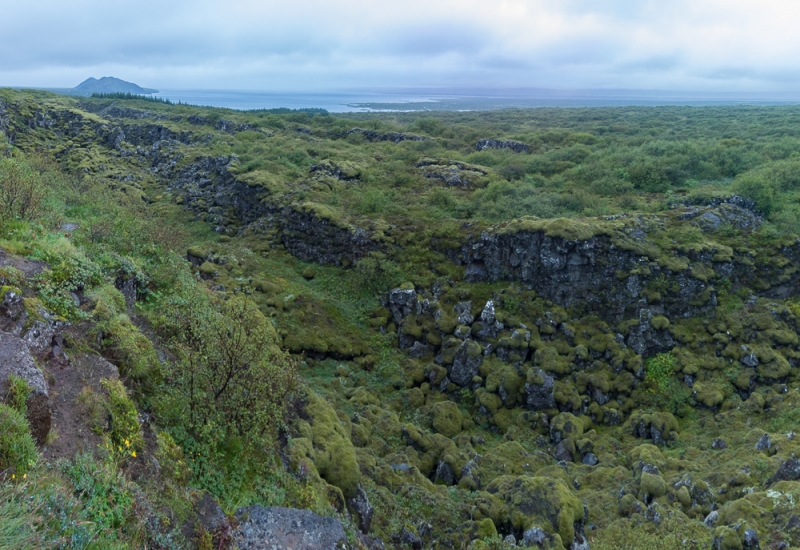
{"points": [[133, 454]]}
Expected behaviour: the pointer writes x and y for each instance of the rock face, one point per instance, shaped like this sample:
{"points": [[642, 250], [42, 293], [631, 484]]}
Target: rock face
{"points": [[314, 239], [16, 360], [277, 528], [515, 146], [586, 271]]}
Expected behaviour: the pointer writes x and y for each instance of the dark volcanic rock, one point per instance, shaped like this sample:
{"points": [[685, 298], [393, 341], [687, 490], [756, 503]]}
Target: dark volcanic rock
{"points": [[788, 471], [764, 443], [466, 363], [212, 520], [540, 391], [277, 528], [515, 146], [360, 507], [585, 271], [16, 359], [395, 137], [314, 239]]}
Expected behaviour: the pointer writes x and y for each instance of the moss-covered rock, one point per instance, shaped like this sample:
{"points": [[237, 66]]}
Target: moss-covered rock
{"points": [[566, 425], [446, 418], [333, 453], [527, 502]]}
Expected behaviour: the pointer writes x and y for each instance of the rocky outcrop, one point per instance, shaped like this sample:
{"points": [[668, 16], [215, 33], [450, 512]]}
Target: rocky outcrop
{"points": [[394, 137], [515, 146], [313, 238], [586, 271], [113, 110], [278, 528], [451, 172], [42, 334], [16, 360], [342, 172]]}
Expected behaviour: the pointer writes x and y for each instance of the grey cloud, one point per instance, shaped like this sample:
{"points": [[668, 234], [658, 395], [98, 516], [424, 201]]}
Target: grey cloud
{"points": [[318, 43]]}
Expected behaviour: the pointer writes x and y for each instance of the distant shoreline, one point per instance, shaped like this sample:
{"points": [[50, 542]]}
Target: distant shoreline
{"points": [[422, 100]]}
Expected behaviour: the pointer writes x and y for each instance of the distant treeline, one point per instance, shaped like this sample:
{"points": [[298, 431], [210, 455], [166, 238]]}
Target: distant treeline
{"points": [[128, 95], [310, 111]]}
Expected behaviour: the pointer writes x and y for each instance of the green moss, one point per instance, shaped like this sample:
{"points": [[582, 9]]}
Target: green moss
{"points": [[653, 485], [333, 452], [542, 502], [659, 322], [446, 418]]}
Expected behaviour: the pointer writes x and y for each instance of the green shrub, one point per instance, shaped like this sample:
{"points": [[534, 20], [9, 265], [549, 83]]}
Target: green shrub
{"points": [[659, 371], [125, 434], [21, 191], [121, 339], [18, 452], [17, 392], [231, 380]]}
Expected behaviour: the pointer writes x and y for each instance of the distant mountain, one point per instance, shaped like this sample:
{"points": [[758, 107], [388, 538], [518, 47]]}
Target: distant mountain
{"points": [[109, 85]]}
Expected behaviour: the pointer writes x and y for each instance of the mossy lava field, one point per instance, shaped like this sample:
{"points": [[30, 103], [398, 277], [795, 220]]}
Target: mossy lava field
{"points": [[545, 328]]}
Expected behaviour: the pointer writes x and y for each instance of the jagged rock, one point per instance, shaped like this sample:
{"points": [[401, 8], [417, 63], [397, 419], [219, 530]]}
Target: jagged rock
{"points": [[534, 537], [402, 302], [750, 540], [764, 443], [464, 315], [719, 444], [652, 513], [515, 146], [418, 350], [212, 519], [659, 427], [750, 360], [12, 313], [410, 537], [287, 529], [444, 474], [547, 503], [466, 363], [230, 127], [360, 507], [788, 471], [711, 519], [16, 359], [129, 289], [540, 391], [563, 453], [590, 459]]}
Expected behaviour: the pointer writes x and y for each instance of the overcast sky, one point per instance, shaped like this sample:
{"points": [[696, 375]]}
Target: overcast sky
{"points": [[713, 45]]}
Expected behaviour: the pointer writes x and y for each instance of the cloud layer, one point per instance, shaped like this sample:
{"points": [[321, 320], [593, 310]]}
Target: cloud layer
{"points": [[735, 45]]}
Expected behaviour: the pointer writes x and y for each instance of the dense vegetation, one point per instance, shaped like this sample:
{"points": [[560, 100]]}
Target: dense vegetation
{"points": [[267, 355]]}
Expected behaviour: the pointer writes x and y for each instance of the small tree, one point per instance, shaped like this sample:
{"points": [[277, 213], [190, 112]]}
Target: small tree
{"points": [[21, 192], [231, 379]]}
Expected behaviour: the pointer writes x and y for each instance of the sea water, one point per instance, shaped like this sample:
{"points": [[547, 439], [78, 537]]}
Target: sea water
{"points": [[463, 99]]}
